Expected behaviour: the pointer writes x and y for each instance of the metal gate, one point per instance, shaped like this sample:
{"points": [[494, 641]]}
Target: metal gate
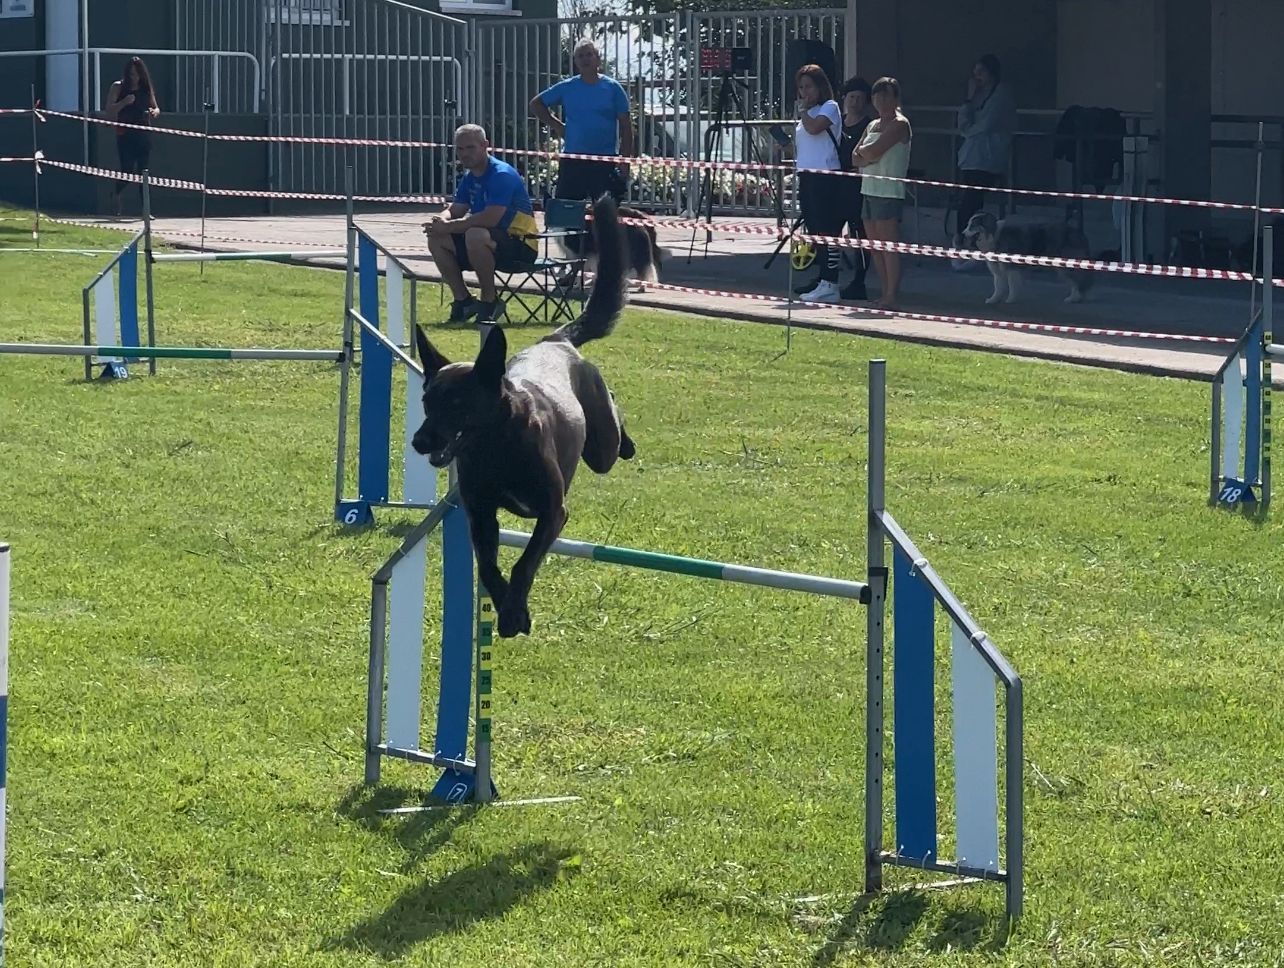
{"points": [[382, 69], [674, 103], [349, 69]]}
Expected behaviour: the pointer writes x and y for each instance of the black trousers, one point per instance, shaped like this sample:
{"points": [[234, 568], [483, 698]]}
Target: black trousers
{"points": [[820, 197], [578, 178], [134, 149], [971, 200]]}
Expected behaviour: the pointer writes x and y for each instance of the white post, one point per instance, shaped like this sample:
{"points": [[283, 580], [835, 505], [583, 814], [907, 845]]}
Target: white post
{"points": [[62, 72], [849, 40]]}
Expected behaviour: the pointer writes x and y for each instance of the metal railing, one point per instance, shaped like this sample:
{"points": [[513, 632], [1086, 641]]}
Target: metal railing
{"points": [[674, 103], [246, 99]]}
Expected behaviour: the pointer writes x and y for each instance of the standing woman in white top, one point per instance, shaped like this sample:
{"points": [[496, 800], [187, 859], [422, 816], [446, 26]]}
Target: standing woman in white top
{"points": [[884, 150], [820, 125]]}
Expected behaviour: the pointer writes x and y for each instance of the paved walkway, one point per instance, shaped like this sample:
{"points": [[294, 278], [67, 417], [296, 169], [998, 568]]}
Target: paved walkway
{"points": [[736, 263]]}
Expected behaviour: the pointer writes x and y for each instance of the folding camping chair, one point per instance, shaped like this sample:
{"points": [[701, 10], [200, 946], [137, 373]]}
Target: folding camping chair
{"points": [[543, 291]]}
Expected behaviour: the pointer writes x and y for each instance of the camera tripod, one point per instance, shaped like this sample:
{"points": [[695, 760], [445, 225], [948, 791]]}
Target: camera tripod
{"points": [[728, 97]]}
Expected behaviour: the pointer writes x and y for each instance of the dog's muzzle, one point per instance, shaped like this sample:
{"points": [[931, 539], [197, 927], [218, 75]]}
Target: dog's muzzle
{"points": [[438, 450], [444, 455]]}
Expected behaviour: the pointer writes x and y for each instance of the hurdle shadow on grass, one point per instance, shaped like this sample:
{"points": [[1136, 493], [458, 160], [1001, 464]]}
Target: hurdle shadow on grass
{"points": [[418, 834], [460, 899], [883, 922]]}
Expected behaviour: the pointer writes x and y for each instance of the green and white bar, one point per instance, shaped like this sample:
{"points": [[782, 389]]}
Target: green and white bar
{"points": [[269, 256], [170, 352], [698, 567]]}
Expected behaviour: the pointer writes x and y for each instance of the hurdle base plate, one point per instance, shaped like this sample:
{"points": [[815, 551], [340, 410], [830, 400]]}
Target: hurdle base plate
{"points": [[354, 514], [456, 788], [114, 370], [1234, 493]]}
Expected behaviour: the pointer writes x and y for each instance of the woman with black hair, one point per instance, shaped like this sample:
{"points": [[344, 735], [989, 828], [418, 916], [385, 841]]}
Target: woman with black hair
{"points": [[858, 112], [986, 121], [132, 101]]}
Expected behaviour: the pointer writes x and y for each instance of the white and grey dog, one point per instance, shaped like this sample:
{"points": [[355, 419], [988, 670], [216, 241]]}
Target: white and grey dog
{"points": [[986, 233]]}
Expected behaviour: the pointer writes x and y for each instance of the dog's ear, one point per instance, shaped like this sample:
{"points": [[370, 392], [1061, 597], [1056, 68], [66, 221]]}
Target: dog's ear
{"points": [[432, 360], [489, 367]]}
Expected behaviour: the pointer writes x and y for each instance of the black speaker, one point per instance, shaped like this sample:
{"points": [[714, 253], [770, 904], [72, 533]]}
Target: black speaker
{"points": [[800, 53]]}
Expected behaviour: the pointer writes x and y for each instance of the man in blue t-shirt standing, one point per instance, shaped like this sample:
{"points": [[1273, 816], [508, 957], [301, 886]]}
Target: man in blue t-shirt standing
{"points": [[595, 121], [490, 221]]}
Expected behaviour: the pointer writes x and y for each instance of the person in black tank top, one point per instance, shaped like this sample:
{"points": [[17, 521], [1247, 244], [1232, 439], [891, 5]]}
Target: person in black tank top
{"points": [[857, 114], [132, 101]]}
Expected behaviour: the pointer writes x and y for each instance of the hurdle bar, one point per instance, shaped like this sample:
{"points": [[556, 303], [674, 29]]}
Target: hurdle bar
{"points": [[975, 666], [109, 311], [266, 256], [698, 567], [1240, 436], [4, 719], [170, 352], [377, 354]]}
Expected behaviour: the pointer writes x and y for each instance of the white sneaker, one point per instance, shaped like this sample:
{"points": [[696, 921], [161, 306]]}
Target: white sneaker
{"points": [[825, 291]]}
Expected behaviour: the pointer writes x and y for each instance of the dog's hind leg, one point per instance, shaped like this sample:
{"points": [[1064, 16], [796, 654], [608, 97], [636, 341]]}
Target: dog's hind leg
{"points": [[1014, 284], [998, 272], [604, 439], [1079, 281]]}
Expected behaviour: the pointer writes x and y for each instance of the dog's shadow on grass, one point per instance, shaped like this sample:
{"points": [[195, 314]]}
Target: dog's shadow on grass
{"points": [[883, 922], [459, 899]]}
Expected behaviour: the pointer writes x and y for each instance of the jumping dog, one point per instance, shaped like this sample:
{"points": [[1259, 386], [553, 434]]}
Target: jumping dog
{"points": [[518, 430]]}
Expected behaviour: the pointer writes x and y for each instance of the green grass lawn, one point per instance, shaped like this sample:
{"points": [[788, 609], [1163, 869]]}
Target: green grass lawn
{"points": [[189, 646]]}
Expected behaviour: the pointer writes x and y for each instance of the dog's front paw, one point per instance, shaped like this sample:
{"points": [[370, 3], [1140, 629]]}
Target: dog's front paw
{"points": [[514, 619]]}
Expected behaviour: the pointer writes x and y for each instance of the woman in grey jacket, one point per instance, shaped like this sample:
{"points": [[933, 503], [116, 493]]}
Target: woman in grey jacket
{"points": [[986, 121]]}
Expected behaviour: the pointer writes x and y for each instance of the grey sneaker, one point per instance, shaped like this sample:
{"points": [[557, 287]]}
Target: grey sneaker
{"points": [[462, 310], [491, 312]]}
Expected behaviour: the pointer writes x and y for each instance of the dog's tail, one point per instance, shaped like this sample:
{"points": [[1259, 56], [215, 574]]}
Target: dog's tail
{"points": [[607, 298]]}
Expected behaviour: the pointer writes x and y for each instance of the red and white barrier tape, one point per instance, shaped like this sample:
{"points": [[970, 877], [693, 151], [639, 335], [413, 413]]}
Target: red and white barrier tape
{"points": [[945, 252], [193, 186], [1051, 262], [959, 320], [731, 228], [686, 163]]}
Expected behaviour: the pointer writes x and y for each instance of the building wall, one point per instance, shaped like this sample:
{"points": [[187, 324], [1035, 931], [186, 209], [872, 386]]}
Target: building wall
{"points": [[930, 48], [1105, 55]]}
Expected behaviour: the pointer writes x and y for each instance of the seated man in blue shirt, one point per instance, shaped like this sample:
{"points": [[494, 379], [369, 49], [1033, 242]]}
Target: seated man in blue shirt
{"points": [[491, 221], [595, 110]]}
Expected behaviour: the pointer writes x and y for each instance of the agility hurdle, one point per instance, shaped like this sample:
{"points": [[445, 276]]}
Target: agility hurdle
{"points": [[171, 352], [1240, 450], [109, 310], [466, 677], [362, 305], [4, 719]]}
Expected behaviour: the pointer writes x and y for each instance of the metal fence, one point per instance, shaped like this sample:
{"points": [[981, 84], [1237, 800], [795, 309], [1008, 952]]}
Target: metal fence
{"points": [[360, 70], [675, 104], [382, 69]]}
